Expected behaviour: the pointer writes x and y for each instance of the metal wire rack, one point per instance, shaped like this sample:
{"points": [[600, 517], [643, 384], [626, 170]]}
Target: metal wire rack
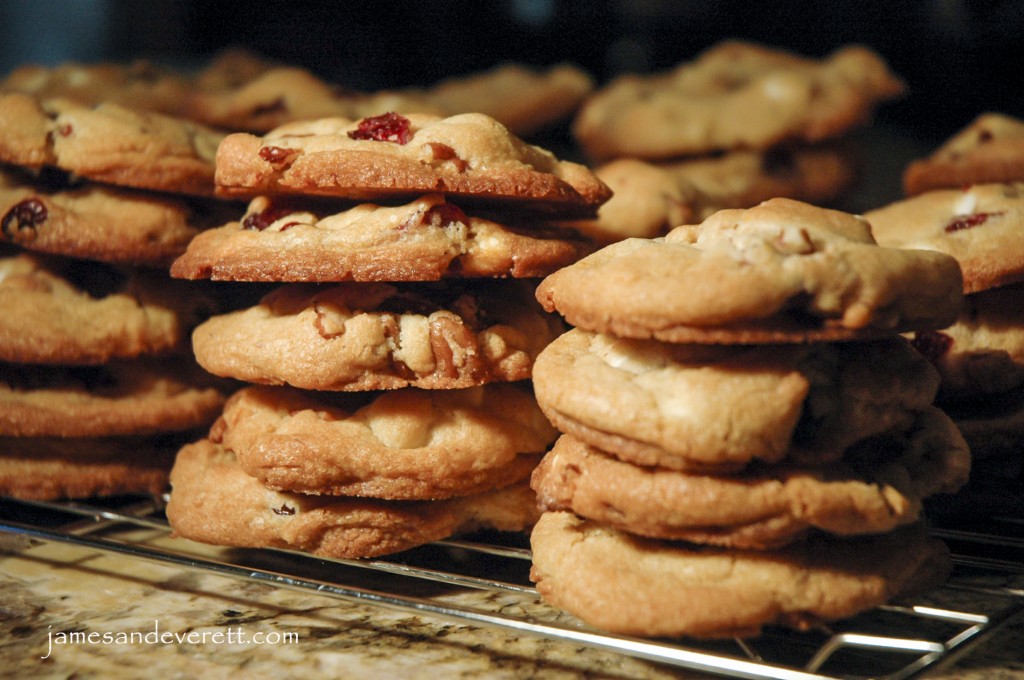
{"points": [[903, 640]]}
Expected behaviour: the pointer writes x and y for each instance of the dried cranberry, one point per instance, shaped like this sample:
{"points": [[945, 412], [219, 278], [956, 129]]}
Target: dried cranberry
{"points": [[968, 221], [448, 214], [258, 221], [65, 130], [932, 344], [23, 218], [387, 127], [278, 156]]}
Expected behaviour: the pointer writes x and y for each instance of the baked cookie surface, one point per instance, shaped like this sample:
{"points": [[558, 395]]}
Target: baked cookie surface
{"points": [[650, 199], [719, 408], [637, 586], [734, 95], [97, 222], [989, 150], [214, 501], [109, 143], [979, 225], [425, 240], [468, 155], [119, 398], [64, 311], [405, 444], [371, 336], [781, 271], [767, 507]]}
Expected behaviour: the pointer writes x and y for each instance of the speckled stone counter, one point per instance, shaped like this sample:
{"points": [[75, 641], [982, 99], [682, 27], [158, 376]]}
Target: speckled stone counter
{"points": [[49, 590]]}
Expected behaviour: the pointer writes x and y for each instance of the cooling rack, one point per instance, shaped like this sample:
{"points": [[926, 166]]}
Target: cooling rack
{"points": [[903, 640]]}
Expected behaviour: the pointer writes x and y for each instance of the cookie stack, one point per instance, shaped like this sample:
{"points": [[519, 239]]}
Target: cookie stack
{"points": [[389, 402], [739, 124], [967, 200], [98, 385], [747, 440]]}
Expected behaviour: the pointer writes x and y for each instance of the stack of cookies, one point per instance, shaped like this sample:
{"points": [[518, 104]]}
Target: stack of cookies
{"points": [[747, 439], [389, 402], [967, 200], [241, 90], [99, 387], [739, 124]]}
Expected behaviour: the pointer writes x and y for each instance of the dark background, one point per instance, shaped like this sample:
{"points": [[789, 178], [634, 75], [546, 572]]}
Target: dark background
{"points": [[959, 57]]}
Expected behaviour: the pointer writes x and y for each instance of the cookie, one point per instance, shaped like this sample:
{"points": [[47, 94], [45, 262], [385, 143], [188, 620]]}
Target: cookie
{"points": [[95, 222], [214, 501], [404, 444], [404, 156], [139, 84], [53, 468], [782, 271], [283, 94], [719, 408], [374, 336], [989, 150], [65, 311], [735, 95], [425, 240], [109, 143], [767, 508], [523, 99], [983, 352], [979, 225], [649, 200], [637, 586], [119, 398]]}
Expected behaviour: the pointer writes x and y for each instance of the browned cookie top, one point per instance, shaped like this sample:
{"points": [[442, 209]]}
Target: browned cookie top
{"points": [[781, 271], [735, 95], [469, 155], [990, 149], [64, 311], [109, 143], [979, 225]]}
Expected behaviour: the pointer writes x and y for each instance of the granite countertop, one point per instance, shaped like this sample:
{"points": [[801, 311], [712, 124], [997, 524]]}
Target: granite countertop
{"points": [[49, 590]]}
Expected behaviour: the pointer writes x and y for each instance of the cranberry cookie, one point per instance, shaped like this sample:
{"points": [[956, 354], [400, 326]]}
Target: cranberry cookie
{"points": [[425, 240], [983, 352], [979, 225], [95, 222], [109, 143], [989, 150], [64, 311], [768, 507], [397, 156], [735, 95], [214, 501], [373, 336], [638, 586], [403, 444], [719, 408], [779, 272]]}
